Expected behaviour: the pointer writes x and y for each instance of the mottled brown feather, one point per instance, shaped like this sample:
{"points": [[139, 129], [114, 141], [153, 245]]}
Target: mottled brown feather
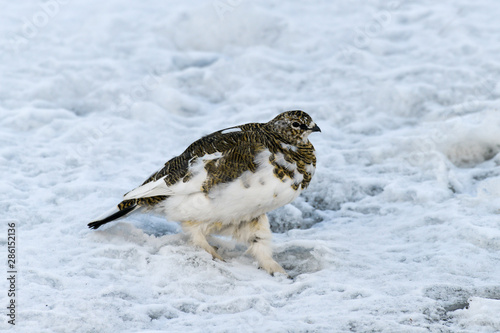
{"points": [[238, 150]]}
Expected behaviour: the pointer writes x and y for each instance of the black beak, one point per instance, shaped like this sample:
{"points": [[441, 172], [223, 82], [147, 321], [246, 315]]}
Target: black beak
{"points": [[315, 129]]}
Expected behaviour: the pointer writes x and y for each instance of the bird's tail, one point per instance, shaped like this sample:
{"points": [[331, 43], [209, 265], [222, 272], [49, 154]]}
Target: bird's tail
{"points": [[115, 214], [126, 207]]}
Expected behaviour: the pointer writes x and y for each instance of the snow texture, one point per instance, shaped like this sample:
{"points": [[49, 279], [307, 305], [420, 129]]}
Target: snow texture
{"points": [[399, 230]]}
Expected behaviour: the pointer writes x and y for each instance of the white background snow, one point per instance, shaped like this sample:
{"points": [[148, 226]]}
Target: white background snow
{"points": [[398, 232]]}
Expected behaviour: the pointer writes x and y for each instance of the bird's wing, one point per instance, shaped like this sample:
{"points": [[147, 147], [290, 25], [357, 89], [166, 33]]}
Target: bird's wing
{"points": [[151, 189], [224, 155]]}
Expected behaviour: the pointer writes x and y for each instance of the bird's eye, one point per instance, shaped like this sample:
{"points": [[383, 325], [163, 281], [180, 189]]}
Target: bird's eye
{"points": [[295, 124]]}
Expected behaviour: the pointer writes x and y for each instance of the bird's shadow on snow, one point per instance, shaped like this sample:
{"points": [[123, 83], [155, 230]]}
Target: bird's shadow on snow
{"points": [[158, 227], [296, 259], [141, 234]]}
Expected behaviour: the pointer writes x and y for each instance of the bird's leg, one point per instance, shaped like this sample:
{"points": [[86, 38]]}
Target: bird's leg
{"points": [[198, 237], [257, 234]]}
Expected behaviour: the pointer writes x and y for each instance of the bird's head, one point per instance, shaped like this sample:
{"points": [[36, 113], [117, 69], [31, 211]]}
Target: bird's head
{"points": [[295, 126]]}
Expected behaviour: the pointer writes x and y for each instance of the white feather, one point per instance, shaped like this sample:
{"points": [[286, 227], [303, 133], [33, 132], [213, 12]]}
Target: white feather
{"points": [[151, 189], [288, 146], [108, 213], [159, 187], [231, 130]]}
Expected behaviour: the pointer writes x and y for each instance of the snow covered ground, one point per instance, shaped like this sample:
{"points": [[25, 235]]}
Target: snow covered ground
{"points": [[398, 232]]}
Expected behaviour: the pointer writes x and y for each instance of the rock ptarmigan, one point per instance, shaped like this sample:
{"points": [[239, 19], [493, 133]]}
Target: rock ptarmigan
{"points": [[227, 181]]}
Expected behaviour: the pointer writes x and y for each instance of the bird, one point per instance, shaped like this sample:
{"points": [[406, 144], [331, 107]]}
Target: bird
{"points": [[226, 182]]}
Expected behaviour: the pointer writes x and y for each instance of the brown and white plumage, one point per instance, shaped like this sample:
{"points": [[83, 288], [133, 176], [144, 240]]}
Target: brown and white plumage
{"points": [[227, 181]]}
